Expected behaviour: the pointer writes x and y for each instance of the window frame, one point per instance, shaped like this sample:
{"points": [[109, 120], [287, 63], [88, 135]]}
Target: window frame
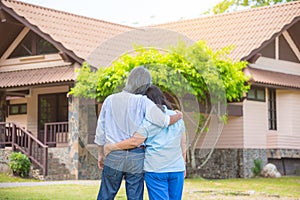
{"points": [[33, 45], [256, 89], [272, 109], [19, 108]]}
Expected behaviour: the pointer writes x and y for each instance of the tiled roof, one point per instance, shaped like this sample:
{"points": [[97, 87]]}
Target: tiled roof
{"points": [[273, 78], [248, 30], [76, 33], [37, 76]]}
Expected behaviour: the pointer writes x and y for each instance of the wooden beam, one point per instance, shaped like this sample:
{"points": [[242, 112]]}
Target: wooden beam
{"points": [[15, 43], [292, 44], [277, 48]]}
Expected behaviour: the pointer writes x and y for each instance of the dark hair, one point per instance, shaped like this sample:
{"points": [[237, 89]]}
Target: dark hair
{"points": [[158, 97]]}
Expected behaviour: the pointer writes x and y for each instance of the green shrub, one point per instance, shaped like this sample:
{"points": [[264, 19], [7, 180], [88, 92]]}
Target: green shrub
{"points": [[257, 167], [19, 164]]}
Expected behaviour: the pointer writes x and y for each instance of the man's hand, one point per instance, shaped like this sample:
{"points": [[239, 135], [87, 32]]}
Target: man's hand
{"points": [[101, 159]]}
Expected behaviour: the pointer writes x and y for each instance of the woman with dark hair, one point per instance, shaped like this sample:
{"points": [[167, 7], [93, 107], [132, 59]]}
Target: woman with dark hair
{"points": [[164, 163]]}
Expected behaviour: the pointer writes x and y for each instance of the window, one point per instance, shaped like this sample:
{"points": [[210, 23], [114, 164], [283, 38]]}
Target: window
{"points": [[17, 109], [32, 45], [272, 109], [256, 94]]}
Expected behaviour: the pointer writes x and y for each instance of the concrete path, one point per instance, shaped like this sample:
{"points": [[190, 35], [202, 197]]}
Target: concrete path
{"points": [[22, 184]]}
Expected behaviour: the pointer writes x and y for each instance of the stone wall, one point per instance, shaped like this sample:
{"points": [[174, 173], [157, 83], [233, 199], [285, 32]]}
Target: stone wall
{"points": [[4, 160], [248, 161], [287, 161], [228, 163], [283, 153]]}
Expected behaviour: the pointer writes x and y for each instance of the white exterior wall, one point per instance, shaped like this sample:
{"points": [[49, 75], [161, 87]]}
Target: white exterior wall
{"points": [[20, 119], [232, 135], [255, 124], [288, 121]]}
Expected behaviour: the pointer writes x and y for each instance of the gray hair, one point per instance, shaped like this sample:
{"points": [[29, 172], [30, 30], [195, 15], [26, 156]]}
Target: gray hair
{"points": [[139, 80]]}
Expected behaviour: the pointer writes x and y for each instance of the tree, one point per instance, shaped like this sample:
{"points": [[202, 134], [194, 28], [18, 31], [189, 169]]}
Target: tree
{"points": [[234, 5], [196, 70]]}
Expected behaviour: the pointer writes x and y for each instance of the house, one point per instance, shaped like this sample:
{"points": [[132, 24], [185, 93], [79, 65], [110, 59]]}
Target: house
{"points": [[267, 128], [41, 49]]}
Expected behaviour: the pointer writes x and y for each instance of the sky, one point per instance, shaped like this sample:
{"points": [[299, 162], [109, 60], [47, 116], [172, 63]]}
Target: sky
{"points": [[132, 12]]}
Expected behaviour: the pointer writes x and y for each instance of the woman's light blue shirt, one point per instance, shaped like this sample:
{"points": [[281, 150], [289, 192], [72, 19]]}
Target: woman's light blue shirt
{"points": [[163, 151]]}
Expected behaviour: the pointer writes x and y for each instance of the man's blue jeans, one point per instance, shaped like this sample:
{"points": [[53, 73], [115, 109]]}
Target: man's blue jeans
{"points": [[124, 163]]}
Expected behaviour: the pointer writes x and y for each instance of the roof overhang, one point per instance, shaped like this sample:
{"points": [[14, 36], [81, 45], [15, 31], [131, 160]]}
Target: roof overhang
{"points": [[256, 51], [42, 34], [34, 77], [273, 79]]}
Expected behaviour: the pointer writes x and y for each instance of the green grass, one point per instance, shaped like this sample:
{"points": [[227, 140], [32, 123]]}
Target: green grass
{"points": [[279, 187], [10, 178], [256, 188]]}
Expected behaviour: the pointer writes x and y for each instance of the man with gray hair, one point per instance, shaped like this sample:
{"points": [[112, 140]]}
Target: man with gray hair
{"points": [[121, 115]]}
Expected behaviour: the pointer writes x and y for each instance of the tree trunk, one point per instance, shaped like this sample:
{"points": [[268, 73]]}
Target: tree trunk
{"points": [[200, 129]]}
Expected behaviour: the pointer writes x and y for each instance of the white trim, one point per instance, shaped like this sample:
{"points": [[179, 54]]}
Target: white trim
{"points": [[32, 62], [282, 66], [15, 43], [292, 44], [277, 48]]}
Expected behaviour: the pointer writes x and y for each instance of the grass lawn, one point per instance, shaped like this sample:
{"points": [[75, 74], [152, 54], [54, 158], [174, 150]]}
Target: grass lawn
{"points": [[256, 188], [10, 178]]}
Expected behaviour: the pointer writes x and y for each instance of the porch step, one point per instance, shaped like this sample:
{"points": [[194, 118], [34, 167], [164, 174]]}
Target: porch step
{"points": [[59, 177], [57, 170]]}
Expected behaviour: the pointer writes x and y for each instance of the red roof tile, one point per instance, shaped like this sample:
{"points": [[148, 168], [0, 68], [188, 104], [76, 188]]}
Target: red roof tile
{"points": [[273, 78], [36, 76], [246, 30]]}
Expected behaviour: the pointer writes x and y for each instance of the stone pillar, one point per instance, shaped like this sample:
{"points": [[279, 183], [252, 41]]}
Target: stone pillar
{"points": [[82, 121], [73, 136]]}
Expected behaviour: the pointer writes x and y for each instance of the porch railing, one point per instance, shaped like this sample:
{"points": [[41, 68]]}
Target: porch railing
{"points": [[21, 140], [56, 133]]}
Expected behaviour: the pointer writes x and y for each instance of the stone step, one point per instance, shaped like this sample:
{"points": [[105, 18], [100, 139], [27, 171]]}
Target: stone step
{"points": [[56, 170], [60, 177]]}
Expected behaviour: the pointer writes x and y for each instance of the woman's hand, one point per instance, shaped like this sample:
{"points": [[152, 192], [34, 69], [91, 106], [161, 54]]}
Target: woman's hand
{"points": [[108, 148]]}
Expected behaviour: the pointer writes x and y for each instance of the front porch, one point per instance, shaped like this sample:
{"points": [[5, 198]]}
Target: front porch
{"points": [[16, 138], [62, 150]]}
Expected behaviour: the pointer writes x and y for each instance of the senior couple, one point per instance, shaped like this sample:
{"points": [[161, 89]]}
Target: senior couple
{"points": [[139, 138]]}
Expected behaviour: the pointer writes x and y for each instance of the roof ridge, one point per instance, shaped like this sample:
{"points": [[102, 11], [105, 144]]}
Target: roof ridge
{"points": [[65, 12], [230, 13]]}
